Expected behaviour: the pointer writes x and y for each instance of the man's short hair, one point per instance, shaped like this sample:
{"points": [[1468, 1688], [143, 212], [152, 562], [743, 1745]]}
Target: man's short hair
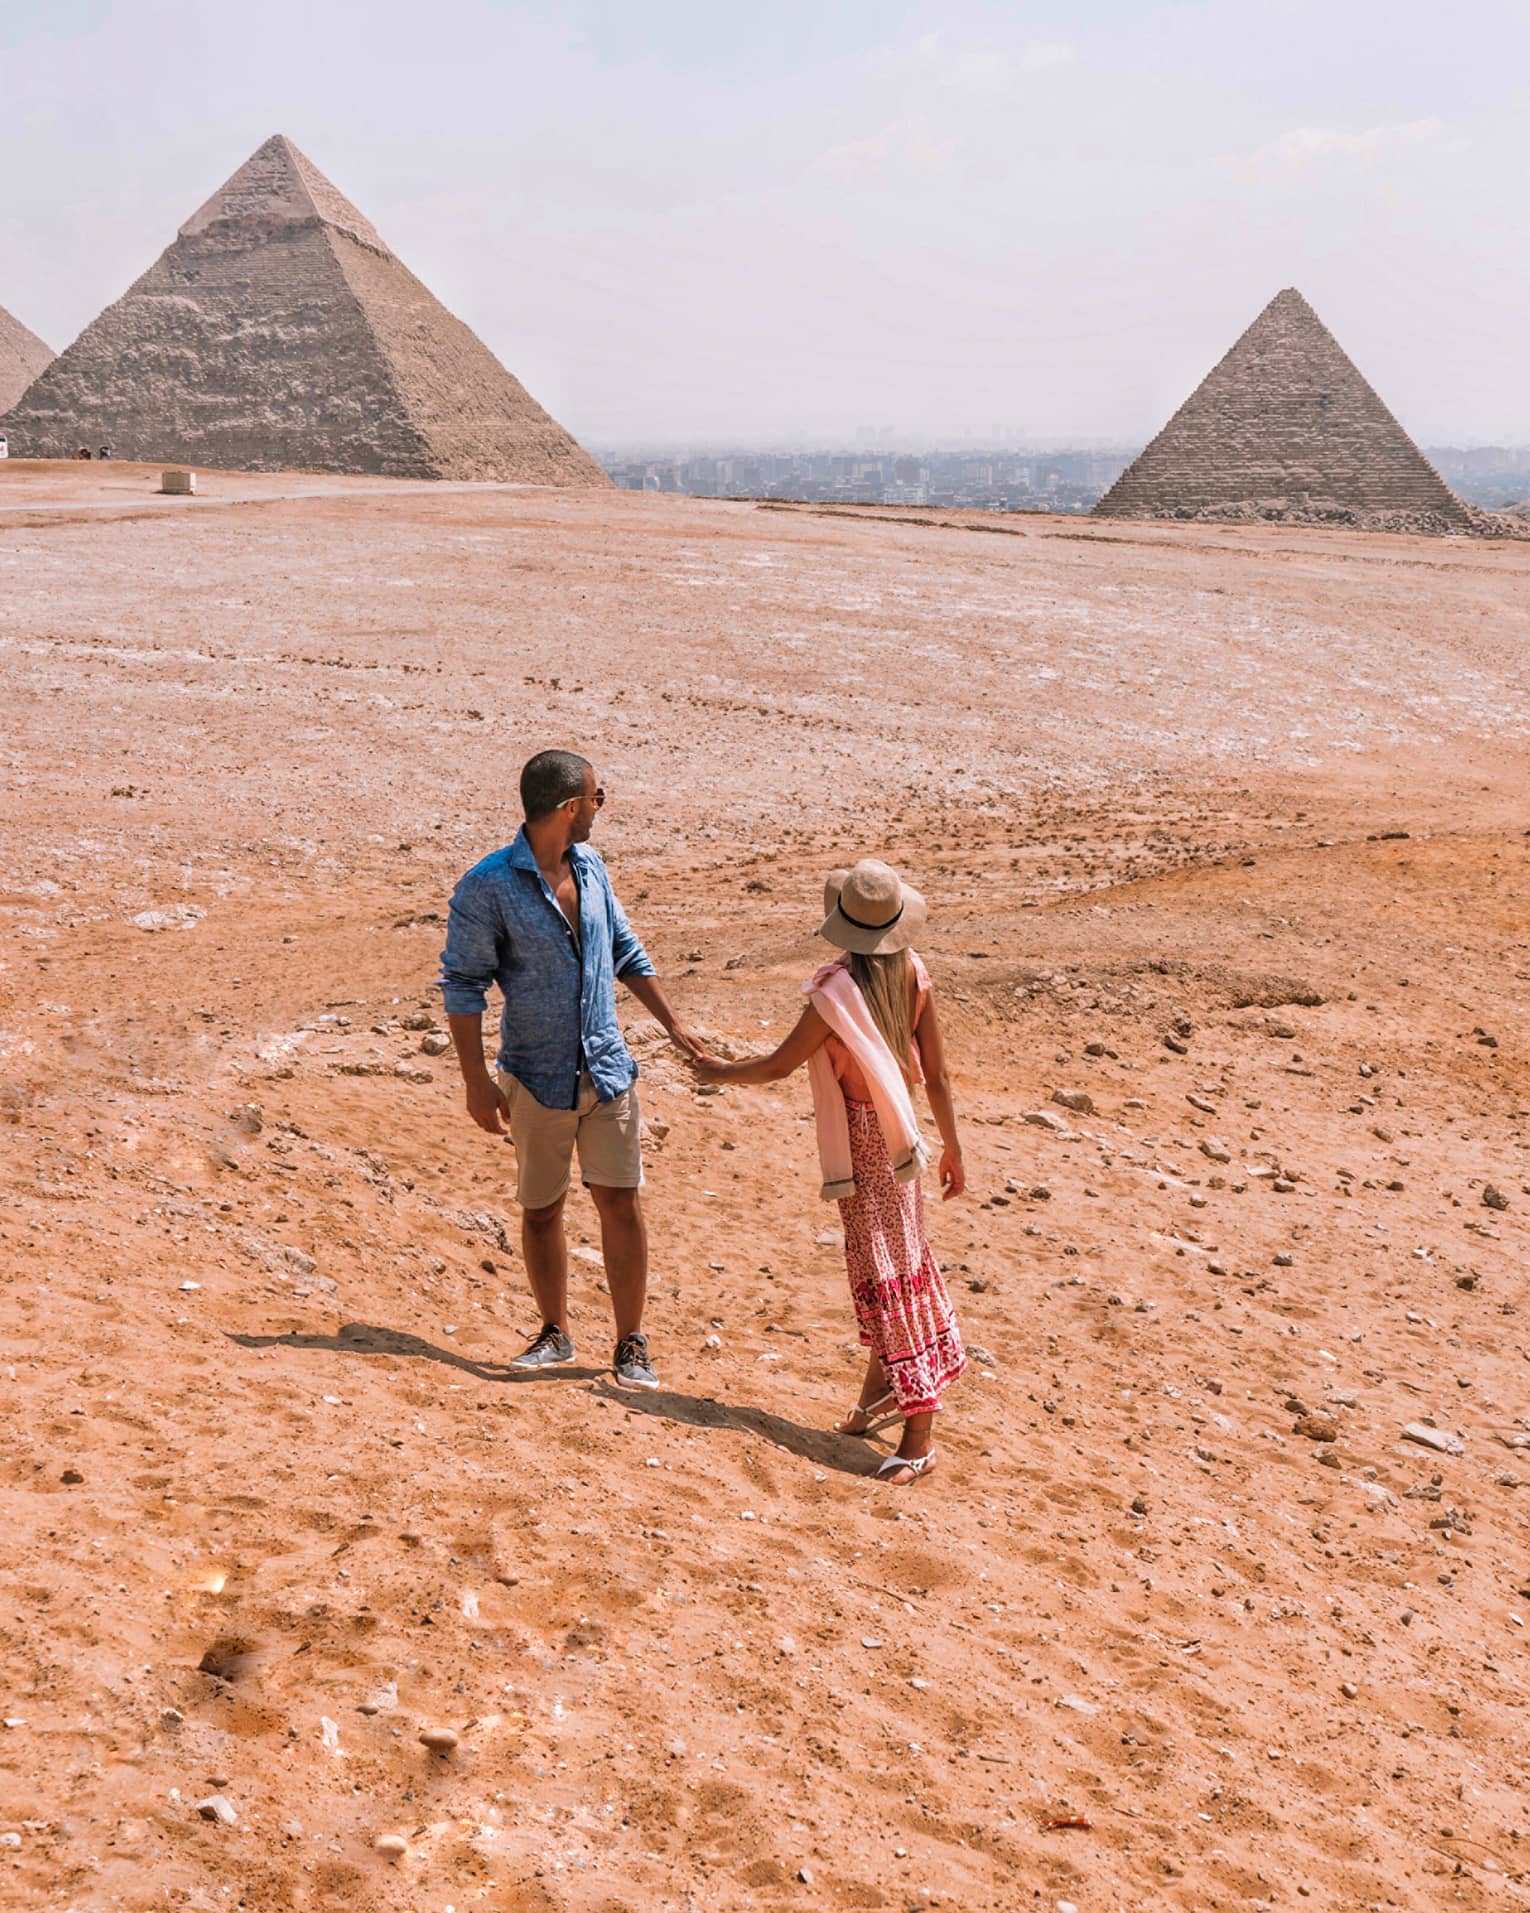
{"points": [[549, 779]]}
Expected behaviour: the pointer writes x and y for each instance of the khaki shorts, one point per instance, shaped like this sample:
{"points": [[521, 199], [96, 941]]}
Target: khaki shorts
{"points": [[607, 1136]]}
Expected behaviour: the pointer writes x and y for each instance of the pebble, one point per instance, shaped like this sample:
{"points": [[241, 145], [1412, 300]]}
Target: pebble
{"points": [[1349, 1690], [1316, 1428], [870, 1640], [1078, 1100], [982, 1356], [1076, 1704], [1215, 1150], [435, 1044], [1044, 1119], [1494, 1198], [10, 1840], [216, 1807], [393, 1846], [805, 1875], [1435, 1438], [440, 1740]]}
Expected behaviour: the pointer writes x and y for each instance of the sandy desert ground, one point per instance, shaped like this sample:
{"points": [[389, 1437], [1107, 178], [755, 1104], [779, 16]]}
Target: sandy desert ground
{"points": [[1228, 829]]}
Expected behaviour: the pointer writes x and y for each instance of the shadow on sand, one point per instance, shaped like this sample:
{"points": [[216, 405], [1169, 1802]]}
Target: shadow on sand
{"points": [[820, 1446], [366, 1338]]}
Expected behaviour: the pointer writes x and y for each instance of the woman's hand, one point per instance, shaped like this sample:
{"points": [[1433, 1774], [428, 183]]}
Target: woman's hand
{"points": [[953, 1176], [707, 1068]]}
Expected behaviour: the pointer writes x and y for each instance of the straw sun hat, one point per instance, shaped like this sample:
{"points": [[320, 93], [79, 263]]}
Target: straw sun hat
{"points": [[871, 910]]}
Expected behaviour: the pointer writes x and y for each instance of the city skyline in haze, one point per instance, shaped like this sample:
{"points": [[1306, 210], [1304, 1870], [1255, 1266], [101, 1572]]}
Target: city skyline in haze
{"points": [[703, 225]]}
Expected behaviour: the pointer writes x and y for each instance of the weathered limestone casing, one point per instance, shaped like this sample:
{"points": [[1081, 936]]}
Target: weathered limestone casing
{"points": [[1283, 421], [278, 332]]}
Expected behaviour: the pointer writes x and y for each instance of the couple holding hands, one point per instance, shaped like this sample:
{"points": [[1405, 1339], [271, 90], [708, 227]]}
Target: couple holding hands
{"points": [[539, 918]]}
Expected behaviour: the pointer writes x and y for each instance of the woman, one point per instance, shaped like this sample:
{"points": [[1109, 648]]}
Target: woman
{"points": [[868, 1034]]}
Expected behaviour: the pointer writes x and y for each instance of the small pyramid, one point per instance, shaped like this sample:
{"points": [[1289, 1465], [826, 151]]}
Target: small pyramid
{"points": [[22, 356], [278, 332], [1284, 425]]}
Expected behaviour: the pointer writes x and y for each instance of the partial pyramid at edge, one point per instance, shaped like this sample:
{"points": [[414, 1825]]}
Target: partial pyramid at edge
{"points": [[22, 356], [1284, 424], [278, 332]]}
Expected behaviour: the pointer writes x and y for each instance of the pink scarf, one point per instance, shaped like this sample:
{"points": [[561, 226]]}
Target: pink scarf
{"points": [[841, 1005]]}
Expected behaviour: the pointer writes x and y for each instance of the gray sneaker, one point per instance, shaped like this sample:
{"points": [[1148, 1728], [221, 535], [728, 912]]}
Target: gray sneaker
{"points": [[550, 1347], [631, 1363]]}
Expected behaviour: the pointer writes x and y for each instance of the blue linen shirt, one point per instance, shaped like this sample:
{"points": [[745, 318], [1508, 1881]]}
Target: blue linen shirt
{"points": [[504, 926]]}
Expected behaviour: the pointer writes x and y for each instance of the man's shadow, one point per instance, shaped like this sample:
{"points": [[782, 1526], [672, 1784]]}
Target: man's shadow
{"points": [[820, 1446], [367, 1338]]}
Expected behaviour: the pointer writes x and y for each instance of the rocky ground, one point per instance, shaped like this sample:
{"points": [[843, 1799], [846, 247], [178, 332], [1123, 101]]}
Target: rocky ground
{"points": [[1220, 1596]]}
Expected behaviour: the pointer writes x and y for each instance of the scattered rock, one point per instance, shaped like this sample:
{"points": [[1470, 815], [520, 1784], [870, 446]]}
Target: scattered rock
{"points": [[1316, 1428], [1215, 1150], [1076, 1704], [392, 1846], [1494, 1198], [982, 1356], [435, 1043], [1078, 1100], [1435, 1438], [71, 1477], [1044, 1119], [179, 916], [216, 1807], [440, 1740]]}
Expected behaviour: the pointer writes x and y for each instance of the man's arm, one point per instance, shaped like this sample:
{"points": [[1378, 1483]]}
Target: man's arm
{"points": [[486, 1102], [468, 964], [630, 962], [649, 993]]}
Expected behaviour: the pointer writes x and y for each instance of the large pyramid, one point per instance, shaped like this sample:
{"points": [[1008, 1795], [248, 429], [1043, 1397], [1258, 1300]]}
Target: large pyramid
{"points": [[279, 332], [1283, 426], [22, 356]]}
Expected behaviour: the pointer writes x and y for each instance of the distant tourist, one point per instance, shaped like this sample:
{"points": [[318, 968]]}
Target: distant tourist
{"points": [[105, 452], [83, 452], [868, 1034], [540, 919]]}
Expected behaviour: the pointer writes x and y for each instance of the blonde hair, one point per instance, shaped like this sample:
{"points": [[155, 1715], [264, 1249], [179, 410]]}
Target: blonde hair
{"points": [[886, 982]]}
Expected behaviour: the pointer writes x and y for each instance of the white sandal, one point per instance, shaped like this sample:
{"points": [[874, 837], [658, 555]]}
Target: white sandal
{"points": [[872, 1410], [918, 1468]]}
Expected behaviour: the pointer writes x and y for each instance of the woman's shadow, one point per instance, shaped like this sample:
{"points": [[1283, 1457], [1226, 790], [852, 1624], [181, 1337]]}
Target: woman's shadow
{"points": [[821, 1446]]}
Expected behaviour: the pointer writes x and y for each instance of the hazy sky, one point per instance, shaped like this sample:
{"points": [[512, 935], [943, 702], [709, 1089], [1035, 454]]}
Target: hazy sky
{"points": [[706, 219]]}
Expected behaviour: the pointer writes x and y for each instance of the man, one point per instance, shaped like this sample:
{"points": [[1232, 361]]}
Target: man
{"points": [[540, 919]]}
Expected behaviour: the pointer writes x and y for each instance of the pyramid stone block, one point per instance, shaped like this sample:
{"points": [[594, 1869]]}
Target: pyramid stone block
{"points": [[22, 356], [1285, 426], [278, 332]]}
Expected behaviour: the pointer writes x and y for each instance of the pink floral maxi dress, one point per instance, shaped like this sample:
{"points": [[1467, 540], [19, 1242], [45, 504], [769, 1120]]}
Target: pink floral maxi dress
{"points": [[902, 1305]]}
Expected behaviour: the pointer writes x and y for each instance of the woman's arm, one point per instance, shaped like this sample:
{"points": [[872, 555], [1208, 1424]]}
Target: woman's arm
{"points": [[937, 1083], [792, 1054]]}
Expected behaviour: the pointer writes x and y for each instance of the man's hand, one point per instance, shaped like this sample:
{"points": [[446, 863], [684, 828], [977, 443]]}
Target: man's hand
{"points": [[487, 1105], [953, 1177], [689, 1046]]}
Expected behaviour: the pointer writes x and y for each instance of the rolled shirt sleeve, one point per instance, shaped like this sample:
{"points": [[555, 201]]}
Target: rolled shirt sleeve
{"points": [[474, 928], [628, 957]]}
